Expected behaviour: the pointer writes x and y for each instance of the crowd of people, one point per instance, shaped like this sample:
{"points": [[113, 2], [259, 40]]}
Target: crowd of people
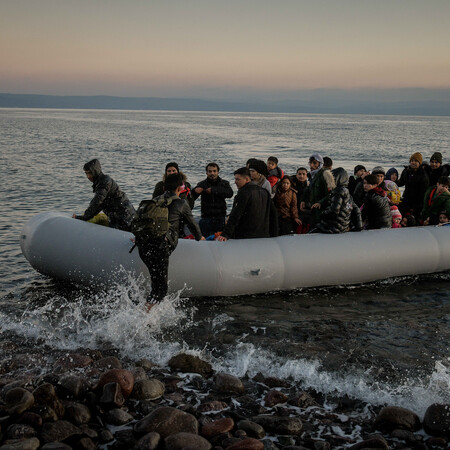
{"points": [[270, 203]]}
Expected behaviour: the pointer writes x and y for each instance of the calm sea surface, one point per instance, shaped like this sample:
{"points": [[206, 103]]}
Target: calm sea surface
{"points": [[383, 342]]}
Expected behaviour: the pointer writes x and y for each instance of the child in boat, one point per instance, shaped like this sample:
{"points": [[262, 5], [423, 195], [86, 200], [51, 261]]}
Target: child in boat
{"points": [[275, 174], [375, 211], [285, 201], [391, 175], [437, 199], [396, 217], [443, 218]]}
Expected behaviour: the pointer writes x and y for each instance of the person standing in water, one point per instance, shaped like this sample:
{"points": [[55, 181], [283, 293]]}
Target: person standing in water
{"points": [[108, 198]]}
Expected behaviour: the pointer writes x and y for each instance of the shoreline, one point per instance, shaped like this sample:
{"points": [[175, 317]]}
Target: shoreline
{"points": [[90, 399]]}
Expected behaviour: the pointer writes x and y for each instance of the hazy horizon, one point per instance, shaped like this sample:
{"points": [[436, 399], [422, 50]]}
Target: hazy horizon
{"points": [[252, 50]]}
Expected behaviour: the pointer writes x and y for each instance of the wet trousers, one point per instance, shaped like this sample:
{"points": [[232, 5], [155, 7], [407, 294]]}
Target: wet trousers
{"points": [[155, 255]]}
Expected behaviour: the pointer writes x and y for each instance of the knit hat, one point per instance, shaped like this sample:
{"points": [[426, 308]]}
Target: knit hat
{"points": [[390, 172], [378, 170], [172, 164], [259, 166], [358, 168], [417, 156], [395, 212], [437, 156]]}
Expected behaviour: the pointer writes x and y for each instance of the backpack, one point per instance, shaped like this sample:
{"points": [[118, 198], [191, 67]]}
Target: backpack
{"points": [[151, 221]]}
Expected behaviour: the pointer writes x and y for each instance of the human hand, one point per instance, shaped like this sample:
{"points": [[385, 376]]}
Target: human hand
{"points": [[198, 190], [316, 205], [74, 216], [302, 206], [298, 221], [221, 239], [208, 191]]}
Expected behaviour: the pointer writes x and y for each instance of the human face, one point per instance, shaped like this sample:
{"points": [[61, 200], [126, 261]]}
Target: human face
{"points": [[171, 170], [443, 218], [440, 188], [254, 174], [359, 173], [212, 173], [414, 164], [240, 180], [434, 164], [397, 220], [380, 178], [89, 175], [313, 164], [394, 176], [271, 165], [367, 187], [285, 184], [302, 176]]}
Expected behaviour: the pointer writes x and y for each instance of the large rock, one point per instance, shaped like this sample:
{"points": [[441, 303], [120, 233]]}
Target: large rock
{"points": [[71, 386], [302, 400], [166, 421], [118, 417], [18, 400], [190, 364], [20, 431], [181, 441], [56, 446], [124, 378], [58, 431], [437, 420], [373, 443], [247, 444], [21, 444], [108, 362], [214, 405], [78, 413], [252, 429], [112, 395], [228, 384], [217, 427], [45, 394], [393, 417], [148, 389], [274, 397], [148, 442], [73, 361], [280, 424]]}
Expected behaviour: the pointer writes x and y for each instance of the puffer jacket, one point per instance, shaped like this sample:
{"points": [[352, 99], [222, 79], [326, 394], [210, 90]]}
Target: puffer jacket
{"points": [[108, 198], [376, 211], [214, 204], [337, 208]]}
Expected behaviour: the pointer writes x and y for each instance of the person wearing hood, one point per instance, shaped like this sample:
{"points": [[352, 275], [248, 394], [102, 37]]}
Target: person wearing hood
{"points": [[318, 187], [108, 198], [436, 169], [336, 210], [392, 175], [185, 194], [258, 172], [416, 182]]}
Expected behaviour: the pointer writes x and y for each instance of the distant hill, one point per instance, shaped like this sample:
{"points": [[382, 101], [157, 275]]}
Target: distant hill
{"points": [[325, 102]]}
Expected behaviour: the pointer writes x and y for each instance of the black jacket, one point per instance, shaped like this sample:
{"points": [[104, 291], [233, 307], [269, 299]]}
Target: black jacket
{"points": [[179, 214], [416, 183], [376, 211], [109, 199], [434, 175], [253, 215], [214, 204], [337, 208]]}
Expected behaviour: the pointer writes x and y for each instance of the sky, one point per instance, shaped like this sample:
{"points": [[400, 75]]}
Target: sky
{"points": [[222, 49]]}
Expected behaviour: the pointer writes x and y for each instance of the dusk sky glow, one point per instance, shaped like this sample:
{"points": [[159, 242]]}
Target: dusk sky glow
{"points": [[207, 48]]}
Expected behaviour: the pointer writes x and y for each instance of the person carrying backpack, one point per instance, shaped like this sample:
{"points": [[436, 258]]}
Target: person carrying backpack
{"points": [[156, 227]]}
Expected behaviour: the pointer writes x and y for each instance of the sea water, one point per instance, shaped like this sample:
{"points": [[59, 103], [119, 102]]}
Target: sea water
{"points": [[385, 342]]}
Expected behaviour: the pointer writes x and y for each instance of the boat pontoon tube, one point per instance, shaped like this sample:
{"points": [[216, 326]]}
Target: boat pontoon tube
{"points": [[81, 252]]}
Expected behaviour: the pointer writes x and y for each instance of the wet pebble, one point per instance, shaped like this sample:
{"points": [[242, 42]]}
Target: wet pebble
{"points": [[392, 417], [118, 417], [21, 444], [18, 400], [274, 397], [148, 442], [179, 441], [437, 420], [58, 431], [225, 383], [190, 364], [124, 378], [252, 429], [148, 389], [217, 427]]}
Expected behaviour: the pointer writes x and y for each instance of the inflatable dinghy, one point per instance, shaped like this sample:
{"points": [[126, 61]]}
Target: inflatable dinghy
{"points": [[81, 252]]}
